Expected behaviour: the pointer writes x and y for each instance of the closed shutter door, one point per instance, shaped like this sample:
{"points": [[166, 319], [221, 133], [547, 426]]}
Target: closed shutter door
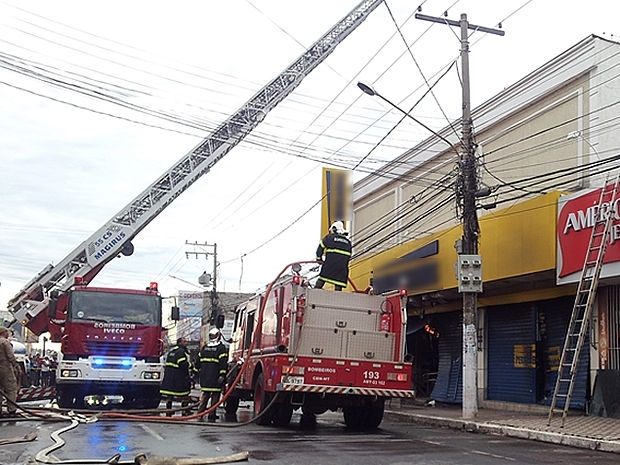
{"points": [[449, 385], [511, 354], [557, 317]]}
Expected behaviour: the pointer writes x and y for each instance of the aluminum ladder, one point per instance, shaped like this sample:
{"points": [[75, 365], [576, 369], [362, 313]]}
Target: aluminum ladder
{"points": [[584, 300]]}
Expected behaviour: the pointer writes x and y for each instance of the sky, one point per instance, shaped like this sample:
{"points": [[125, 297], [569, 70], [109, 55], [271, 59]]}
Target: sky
{"points": [[99, 99]]}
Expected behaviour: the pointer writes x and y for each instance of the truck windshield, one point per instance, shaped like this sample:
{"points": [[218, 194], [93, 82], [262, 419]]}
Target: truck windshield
{"points": [[109, 307]]}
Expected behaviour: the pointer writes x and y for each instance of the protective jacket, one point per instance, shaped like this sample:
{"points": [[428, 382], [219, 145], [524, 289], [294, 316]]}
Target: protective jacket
{"points": [[337, 250], [176, 380], [8, 368], [211, 364]]}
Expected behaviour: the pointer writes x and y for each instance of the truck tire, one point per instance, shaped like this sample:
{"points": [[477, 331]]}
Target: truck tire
{"points": [[261, 401], [366, 417], [69, 397], [354, 418], [374, 415], [282, 414]]}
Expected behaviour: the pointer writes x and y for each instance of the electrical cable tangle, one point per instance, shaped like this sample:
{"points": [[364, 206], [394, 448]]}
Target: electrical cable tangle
{"points": [[506, 200], [371, 248], [422, 74]]}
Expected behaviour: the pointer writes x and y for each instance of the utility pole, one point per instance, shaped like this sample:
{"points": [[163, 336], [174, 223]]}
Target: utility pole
{"points": [[206, 279], [469, 268]]}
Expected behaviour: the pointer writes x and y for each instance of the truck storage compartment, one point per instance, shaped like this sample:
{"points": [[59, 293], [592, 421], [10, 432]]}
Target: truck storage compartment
{"points": [[343, 310], [373, 346], [319, 342]]}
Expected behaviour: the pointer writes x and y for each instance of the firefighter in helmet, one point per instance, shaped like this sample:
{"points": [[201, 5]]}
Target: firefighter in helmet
{"points": [[177, 375], [336, 247], [212, 363]]}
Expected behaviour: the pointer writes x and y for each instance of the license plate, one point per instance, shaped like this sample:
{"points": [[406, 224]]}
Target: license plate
{"points": [[292, 380]]}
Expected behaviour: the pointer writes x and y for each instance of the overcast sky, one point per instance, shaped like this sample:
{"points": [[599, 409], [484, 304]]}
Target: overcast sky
{"points": [[81, 82]]}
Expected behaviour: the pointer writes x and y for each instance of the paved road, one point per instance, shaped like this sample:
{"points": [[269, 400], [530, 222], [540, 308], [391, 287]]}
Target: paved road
{"points": [[330, 443]]}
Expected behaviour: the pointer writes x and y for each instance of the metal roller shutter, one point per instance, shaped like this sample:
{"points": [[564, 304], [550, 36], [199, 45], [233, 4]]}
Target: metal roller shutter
{"points": [[511, 354], [557, 316], [449, 385]]}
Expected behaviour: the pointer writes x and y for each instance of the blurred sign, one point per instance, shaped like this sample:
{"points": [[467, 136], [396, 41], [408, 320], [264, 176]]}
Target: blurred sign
{"points": [[190, 304], [189, 328], [337, 198]]}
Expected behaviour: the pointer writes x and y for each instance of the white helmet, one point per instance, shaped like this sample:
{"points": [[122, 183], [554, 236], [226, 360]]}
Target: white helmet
{"points": [[337, 227], [214, 333]]}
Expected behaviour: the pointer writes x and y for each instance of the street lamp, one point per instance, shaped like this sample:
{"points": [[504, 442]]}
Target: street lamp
{"points": [[367, 89], [469, 267]]}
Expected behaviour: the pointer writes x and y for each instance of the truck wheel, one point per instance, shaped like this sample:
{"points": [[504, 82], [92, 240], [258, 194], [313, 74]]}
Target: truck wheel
{"points": [[282, 414], [261, 401], [152, 402], [367, 417], [354, 418], [373, 415], [69, 398]]}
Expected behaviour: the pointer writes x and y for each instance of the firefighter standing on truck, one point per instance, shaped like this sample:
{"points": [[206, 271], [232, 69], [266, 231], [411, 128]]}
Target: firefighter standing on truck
{"points": [[336, 247], [177, 381], [212, 365]]}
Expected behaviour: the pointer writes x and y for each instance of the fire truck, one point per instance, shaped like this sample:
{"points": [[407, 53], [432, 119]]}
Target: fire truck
{"points": [[298, 347], [111, 346], [30, 306]]}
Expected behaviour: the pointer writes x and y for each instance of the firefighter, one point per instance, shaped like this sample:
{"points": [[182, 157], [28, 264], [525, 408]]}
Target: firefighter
{"points": [[336, 247], [8, 374], [212, 364], [177, 381]]}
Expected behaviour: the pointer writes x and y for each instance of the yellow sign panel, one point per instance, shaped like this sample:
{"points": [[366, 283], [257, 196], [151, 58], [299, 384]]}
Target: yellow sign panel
{"points": [[552, 358], [524, 356]]}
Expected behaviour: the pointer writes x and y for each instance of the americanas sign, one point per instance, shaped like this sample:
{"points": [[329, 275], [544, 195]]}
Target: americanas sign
{"points": [[577, 215]]}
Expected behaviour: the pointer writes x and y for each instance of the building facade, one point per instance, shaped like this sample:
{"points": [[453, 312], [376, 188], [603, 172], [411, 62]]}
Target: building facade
{"points": [[543, 145]]}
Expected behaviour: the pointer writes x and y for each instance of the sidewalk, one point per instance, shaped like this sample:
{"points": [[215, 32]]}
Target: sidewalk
{"points": [[586, 432]]}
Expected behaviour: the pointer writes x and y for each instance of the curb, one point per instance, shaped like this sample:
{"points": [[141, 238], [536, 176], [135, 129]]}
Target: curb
{"points": [[510, 431]]}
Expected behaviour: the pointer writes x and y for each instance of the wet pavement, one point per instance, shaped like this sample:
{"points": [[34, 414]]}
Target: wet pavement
{"points": [[579, 430]]}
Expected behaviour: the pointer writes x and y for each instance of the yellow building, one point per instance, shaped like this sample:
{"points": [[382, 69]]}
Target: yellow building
{"points": [[547, 138]]}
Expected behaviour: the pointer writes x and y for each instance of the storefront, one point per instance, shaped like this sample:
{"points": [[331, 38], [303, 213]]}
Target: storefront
{"points": [[577, 214], [524, 347]]}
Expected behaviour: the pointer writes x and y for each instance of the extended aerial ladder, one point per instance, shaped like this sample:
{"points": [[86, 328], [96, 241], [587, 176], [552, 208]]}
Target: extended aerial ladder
{"points": [[584, 299], [29, 305]]}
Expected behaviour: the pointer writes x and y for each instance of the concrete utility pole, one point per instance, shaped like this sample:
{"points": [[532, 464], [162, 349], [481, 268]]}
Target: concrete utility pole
{"points": [[469, 269], [205, 279]]}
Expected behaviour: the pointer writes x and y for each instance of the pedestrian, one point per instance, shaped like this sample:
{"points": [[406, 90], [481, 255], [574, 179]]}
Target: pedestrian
{"points": [[177, 375], [212, 364], [336, 247], [53, 367], [8, 374], [35, 370], [45, 371]]}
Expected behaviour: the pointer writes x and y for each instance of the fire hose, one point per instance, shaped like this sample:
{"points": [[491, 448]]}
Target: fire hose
{"points": [[230, 388], [77, 417]]}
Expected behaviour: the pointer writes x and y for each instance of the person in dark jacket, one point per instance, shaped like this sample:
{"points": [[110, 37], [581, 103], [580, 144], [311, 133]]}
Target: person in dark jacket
{"points": [[336, 247], [177, 380], [212, 365]]}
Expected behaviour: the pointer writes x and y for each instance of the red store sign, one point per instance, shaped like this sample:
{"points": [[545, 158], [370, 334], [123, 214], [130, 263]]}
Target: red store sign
{"points": [[576, 218]]}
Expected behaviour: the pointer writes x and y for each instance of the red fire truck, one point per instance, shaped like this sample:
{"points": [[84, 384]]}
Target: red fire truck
{"points": [[111, 346], [317, 350]]}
